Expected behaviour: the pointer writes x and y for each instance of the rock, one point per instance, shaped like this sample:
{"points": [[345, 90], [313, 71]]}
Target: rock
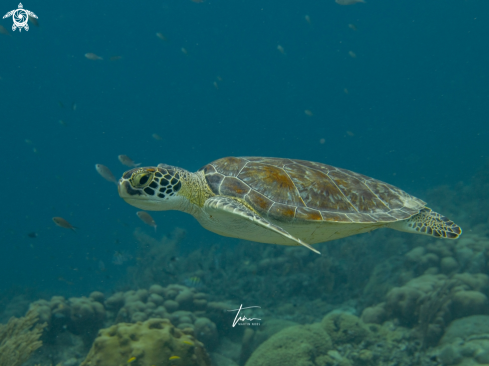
{"points": [[448, 265]]}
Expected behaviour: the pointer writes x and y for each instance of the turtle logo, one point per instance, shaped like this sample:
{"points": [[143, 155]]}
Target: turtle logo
{"points": [[20, 17]]}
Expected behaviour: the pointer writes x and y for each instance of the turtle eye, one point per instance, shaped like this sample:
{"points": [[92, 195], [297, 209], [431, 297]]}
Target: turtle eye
{"points": [[141, 179]]}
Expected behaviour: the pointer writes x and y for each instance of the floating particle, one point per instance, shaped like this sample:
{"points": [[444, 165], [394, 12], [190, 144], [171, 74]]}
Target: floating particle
{"points": [[115, 58], [33, 21], [308, 19], [352, 54], [349, 2], [345, 90], [93, 56], [308, 113], [322, 141], [281, 49], [161, 36], [4, 31], [185, 52], [215, 85], [105, 173], [349, 133], [156, 137], [352, 26], [63, 223], [127, 161]]}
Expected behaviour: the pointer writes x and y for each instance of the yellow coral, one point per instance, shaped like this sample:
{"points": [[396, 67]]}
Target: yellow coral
{"points": [[153, 342], [19, 338]]}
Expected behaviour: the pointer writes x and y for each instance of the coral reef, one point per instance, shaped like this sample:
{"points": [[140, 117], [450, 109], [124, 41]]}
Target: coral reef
{"points": [[81, 316], [185, 307], [153, 342], [341, 339], [465, 342], [19, 338]]}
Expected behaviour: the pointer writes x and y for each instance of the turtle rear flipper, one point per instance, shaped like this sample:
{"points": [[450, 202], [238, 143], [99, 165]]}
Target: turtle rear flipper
{"points": [[428, 222]]}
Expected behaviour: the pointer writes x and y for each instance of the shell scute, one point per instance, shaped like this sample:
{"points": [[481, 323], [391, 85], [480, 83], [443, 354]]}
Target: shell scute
{"points": [[259, 201], [233, 187], [272, 182], [308, 214], [282, 212]]}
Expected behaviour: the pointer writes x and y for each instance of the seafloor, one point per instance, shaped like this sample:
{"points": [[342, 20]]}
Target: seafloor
{"points": [[385, 298]]}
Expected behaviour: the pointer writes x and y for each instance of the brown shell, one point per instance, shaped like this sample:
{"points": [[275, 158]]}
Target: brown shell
{"points": [[291, 190]]}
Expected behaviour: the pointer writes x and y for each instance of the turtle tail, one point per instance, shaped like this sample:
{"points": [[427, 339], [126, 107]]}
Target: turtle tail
{"points": [[428, 222]]}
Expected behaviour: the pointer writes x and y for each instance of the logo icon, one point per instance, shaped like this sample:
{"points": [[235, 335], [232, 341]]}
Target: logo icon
{"points": [[20, 17], [243, 320]]}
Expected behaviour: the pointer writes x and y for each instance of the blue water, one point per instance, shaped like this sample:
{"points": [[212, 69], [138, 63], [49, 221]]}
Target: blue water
{"points": [[416, 110]]}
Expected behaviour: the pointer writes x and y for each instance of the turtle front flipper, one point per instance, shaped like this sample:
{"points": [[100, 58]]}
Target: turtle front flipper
{"points": [[428, 222], [228, 216]]}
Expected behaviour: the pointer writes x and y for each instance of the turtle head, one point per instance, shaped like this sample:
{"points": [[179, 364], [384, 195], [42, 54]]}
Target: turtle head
{"points": [[153, 188]]}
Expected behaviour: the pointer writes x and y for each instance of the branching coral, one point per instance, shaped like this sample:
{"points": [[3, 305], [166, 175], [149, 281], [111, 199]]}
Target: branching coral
{"points": [[19, 338]]}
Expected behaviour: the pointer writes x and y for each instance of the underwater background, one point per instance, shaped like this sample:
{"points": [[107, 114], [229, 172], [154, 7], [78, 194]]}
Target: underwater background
{"points": [[397, 91]]}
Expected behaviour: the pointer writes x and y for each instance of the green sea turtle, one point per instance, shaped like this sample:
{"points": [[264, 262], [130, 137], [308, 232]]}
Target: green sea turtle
{"points": [[282, 201]]}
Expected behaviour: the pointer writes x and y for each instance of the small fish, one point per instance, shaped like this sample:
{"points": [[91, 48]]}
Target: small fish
{"points": [[161, 36], [281, 49], [352, 26], [194, 282], [146, 218], [93, 56], [62, 123], [189, 343], [105, 173], [215, 85], [349, 133], [132, 359], [308, 113], [127, 161], [352, 54], [219, 78], [174, 358], [33, 21], [73, 106], [346, 91], [4, 31], [349, 2], [27, 141], [63, 223], [184, 51], [115, 58], [308, 19], [32, 235], [156, 136]]}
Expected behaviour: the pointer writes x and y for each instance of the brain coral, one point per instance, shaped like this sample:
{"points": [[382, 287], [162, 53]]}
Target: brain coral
{"points": [[150, 343]]}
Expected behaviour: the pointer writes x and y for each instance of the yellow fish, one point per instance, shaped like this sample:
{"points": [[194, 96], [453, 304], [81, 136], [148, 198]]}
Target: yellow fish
{"points": [[189, 343], [174, 358], [132, 359]]}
